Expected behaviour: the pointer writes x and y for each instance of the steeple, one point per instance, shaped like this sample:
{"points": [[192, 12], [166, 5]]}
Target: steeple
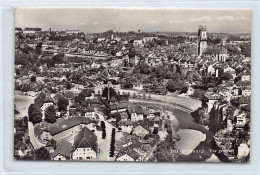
{"points": [[202, 39]]}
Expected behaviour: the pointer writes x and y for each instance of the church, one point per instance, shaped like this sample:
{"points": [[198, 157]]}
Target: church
{"points": [[218, 53]]}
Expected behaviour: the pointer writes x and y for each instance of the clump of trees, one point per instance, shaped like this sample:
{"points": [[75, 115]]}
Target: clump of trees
{"points": [[199, 94], [42, 154], [103, 128], [34, 113], [112, 145], [50, 114], [63, 103], [180, 85], [56, 59]]}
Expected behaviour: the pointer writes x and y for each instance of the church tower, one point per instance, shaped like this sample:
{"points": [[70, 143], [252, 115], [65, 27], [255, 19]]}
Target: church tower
{"points": [[202, 39]]}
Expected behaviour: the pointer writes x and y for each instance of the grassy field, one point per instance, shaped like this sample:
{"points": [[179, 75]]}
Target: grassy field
{"points": [[22, 104]]}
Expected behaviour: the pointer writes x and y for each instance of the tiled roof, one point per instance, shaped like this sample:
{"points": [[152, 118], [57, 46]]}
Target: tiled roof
{"points": [[85, 139], [63, 125], [89, 109], [58, 95], [64, 148], [118, 106], [43, 97], [130, 152], [127, 122]]}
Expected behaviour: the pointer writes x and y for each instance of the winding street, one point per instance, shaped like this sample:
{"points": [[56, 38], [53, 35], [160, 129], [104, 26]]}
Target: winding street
{"points": [[36, 144]]}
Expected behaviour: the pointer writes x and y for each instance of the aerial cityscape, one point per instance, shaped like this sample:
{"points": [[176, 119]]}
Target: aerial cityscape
{"points": [[131, 91]]}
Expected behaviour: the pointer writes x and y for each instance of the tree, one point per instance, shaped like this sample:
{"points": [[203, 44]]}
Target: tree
{"points": [[86, 92], [17, 71], [112, 145], [155, 131], [69, 86], [63, 103], [80, 98], [177, 85], [50, 114], [227, 76], [246, 49], [134, 95], [33, 78], [42, 154], [34, 113], [103, 128], [199, 93], [39, 48], [35, 69]]}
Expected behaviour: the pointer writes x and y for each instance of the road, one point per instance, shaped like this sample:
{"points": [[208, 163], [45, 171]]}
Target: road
{"points": [[104, 144], [36, 144]]}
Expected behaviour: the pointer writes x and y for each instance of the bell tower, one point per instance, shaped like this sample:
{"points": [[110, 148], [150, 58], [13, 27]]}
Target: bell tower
{"points": [[202, 39]]}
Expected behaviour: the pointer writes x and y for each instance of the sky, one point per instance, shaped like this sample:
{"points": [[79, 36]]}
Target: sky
{"points": [[123, 20]]}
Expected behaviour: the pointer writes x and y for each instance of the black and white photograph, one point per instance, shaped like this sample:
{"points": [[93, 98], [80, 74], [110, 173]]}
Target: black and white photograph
{"points": [[132, 85]]}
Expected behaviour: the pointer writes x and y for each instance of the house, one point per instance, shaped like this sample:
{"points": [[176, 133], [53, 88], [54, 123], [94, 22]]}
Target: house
{"points": [[134, 60], [140, 131], [128, 155], [212, 99], [95, 65], [241, 120], [85, 145], [126, 125], [231, 70], [246, 92], [50, 146], [118, 107], [62, 151], [89, 96], [245, 78], [138, 87], [219, 54], [45, 135], [137, 113], [70, 32], [90, 112], [151, 114], [116, 62], [113, 100], [64, 129], [44, 100], [73, 108]]}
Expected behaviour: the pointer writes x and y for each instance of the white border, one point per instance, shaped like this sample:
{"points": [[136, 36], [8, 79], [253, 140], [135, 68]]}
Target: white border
{"points": [[9, 166]]}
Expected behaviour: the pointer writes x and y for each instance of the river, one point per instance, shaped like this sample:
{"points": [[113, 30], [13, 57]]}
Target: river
{"points": [[202, 151]]}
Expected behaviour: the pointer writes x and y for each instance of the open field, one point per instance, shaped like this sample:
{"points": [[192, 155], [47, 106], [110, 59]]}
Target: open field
{"points": [[22, 104]]}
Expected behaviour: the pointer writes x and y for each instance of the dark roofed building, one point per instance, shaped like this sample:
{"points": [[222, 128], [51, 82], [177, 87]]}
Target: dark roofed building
{"points": [[62, 151], [119, 107], [219, 54], [85, 145], [64, 125], [128, 154]]}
